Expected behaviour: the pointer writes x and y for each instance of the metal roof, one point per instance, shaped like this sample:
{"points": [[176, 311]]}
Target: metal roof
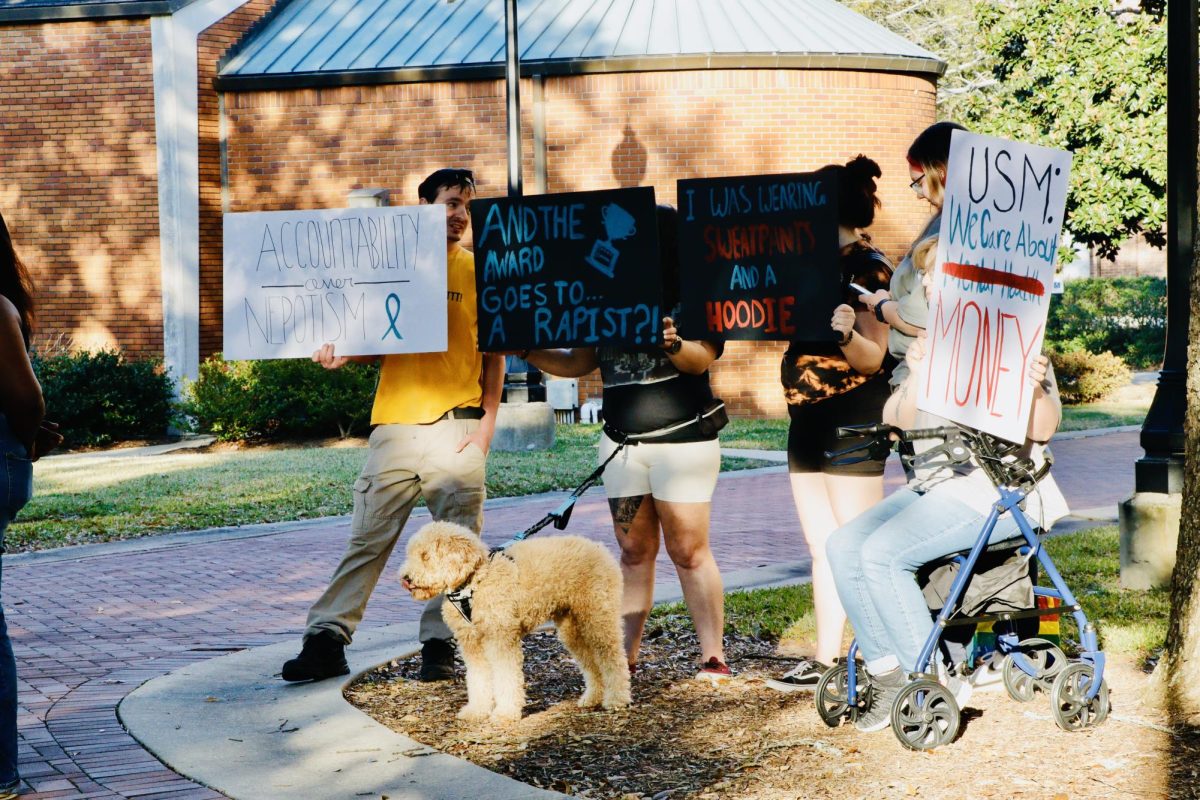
{"points": [[13, 11], [318, 42]]}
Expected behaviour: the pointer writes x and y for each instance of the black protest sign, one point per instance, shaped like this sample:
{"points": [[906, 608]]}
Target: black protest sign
{"points": [[568, 270], [759, 256]]}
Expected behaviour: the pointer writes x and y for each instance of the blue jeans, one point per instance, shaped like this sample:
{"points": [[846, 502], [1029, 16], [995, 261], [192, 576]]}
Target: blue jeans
{"points": [[874, 559], [16, 487]]}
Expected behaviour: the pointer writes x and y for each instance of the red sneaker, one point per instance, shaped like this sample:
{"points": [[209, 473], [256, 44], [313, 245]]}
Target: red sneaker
{"points": [[714, 671]]}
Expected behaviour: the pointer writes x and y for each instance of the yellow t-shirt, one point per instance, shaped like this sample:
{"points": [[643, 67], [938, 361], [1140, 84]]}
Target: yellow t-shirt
{"points": [[415, 388]]}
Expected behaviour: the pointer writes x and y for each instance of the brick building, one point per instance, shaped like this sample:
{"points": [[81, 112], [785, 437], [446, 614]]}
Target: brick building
{"points": [[109, 111], [322, 98]]}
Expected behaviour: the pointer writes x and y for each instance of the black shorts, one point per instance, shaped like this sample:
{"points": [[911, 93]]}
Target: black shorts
{"points": [[813, 429]]}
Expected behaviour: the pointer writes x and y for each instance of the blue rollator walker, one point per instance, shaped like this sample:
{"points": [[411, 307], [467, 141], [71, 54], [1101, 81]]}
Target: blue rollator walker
{"points": [[925, 714]]}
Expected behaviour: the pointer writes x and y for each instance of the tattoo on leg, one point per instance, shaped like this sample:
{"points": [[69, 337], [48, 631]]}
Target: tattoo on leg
{"points": [[624, 509]]}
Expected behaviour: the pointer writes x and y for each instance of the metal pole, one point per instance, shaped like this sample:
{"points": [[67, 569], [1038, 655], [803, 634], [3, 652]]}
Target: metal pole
{"points": [[512, 77], [1161, 470]]}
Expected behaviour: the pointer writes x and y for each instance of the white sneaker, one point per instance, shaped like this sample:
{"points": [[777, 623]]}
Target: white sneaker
{"points": [[989, 674]]}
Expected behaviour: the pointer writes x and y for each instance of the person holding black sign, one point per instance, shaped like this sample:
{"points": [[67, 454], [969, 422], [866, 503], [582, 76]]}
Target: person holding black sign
{"points": [[435, 414], [902, 305], [663, 481], [830, 384]]}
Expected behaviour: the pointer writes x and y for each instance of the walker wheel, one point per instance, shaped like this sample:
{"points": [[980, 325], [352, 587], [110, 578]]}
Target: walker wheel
{"points": [[925, 715], [1047, 659], [832, 695], [1072, 711]]}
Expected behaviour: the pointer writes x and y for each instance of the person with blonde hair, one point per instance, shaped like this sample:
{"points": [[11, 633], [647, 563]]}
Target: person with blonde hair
{"points": [[902, 305]]}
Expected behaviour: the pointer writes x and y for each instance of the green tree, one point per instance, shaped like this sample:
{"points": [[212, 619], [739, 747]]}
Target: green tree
{"points": [[1080, 75], [947, 29]]}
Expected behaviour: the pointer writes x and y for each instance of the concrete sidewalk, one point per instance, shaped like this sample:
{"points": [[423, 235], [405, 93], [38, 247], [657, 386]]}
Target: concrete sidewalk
{"points": [[90, 625]]}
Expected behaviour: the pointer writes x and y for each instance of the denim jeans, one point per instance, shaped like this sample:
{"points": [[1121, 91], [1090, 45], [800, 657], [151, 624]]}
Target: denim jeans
{"points": [[16, 486], [874, 559]]}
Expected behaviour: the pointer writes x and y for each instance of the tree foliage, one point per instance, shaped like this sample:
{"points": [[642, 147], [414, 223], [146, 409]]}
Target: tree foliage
{"points": [[1078, 75], [946, 28]]}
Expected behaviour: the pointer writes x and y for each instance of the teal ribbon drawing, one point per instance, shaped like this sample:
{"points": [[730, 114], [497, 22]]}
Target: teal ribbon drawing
{"points": [[393, 311]]}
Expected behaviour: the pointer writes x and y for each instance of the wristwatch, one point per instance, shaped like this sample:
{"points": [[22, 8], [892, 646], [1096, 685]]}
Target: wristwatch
{"points": [[676, 346], [879, 309]]}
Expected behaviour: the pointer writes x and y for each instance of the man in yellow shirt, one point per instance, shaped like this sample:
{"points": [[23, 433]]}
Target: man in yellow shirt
{"points": [[435, 414]]}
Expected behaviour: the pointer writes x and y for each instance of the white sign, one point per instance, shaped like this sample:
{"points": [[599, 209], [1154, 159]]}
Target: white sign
{"points": [[370, 280], [1001, 222]]}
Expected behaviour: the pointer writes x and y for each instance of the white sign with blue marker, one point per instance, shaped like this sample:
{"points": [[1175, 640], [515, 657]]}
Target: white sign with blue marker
{"points": [[370, 280]]}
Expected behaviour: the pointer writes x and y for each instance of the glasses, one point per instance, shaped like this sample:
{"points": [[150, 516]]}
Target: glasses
{"points": [[916, 184]]}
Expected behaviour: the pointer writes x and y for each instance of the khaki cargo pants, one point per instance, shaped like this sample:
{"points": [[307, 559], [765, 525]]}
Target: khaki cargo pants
{"points": [[404, 462]]}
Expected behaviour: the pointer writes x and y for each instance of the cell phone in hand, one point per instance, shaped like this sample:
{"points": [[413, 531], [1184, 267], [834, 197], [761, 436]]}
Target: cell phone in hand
{"points": [[859, 289]]}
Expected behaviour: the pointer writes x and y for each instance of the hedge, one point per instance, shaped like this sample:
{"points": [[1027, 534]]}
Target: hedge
{"points": [[1123, 316], [236, 400], [102, 397]]}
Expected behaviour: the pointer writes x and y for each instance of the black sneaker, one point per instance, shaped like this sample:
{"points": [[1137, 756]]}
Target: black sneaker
{"points": [[883, 691], [322, 656], [437, 661], [803, 677]]}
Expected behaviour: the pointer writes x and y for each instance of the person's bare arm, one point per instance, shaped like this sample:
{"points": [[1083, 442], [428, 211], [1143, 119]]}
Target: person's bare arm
{"points": [[891, 311], [863, 352], [572, 362], [693, 357], [900, 409], [20, 393], [1046, 415], [491, 381]]}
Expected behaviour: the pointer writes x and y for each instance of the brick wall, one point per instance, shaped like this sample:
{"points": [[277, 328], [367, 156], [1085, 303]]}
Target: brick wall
{"points": [[308, 148], [78, 178], [210, 46]]}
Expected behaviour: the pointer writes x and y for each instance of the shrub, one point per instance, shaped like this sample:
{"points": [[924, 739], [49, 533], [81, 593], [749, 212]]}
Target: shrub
{"points": [[279, 399], [1085, 377], [102, 397], [1124, 316]]}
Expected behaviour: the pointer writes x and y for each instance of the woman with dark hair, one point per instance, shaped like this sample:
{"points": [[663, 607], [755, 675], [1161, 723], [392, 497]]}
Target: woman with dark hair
{"points": [[22, 439], [828, 385], [665, 483], [902, 305]]}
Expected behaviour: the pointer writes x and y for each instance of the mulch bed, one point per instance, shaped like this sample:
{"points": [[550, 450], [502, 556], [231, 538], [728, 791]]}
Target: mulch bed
{"points": [[685, 739]]}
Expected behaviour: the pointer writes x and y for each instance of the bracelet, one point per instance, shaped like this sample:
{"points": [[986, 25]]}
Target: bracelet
{"points": [[847, 338], [879, 309], [676, 346]]}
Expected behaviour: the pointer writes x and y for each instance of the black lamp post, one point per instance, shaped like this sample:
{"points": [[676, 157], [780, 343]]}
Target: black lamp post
{"points": [[1161, 469]]}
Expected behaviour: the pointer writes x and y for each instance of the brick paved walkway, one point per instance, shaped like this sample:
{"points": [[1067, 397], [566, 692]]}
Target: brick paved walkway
{"points": [[87, 631]]}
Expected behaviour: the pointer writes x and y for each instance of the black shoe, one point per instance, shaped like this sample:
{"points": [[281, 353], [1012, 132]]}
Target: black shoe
{"points": [[323, 656], [437, 661], [803, 677]]}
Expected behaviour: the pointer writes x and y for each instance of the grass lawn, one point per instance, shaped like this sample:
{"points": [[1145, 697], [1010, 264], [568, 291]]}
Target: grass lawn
{"points": [[1126, 406], [81, 500], [1129, 621]]}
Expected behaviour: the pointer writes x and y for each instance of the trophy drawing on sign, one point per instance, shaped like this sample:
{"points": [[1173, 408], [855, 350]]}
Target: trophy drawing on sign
{"points": [[619, 224]]}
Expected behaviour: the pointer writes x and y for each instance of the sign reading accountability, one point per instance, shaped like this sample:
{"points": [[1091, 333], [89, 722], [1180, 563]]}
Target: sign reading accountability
{"points": [[1000, 229], [370, 280], [759, 257], [568, 270]]}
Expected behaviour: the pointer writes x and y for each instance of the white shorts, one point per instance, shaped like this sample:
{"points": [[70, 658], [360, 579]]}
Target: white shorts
{"points": [[684, 472]]}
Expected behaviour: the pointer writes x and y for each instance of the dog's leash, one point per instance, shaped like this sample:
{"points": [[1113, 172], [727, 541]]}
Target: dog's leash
{"points": [[560, 516]]}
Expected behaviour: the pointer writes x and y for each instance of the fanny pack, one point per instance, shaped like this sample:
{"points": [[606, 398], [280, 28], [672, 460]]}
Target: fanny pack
{"points": [[708, 421]]}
